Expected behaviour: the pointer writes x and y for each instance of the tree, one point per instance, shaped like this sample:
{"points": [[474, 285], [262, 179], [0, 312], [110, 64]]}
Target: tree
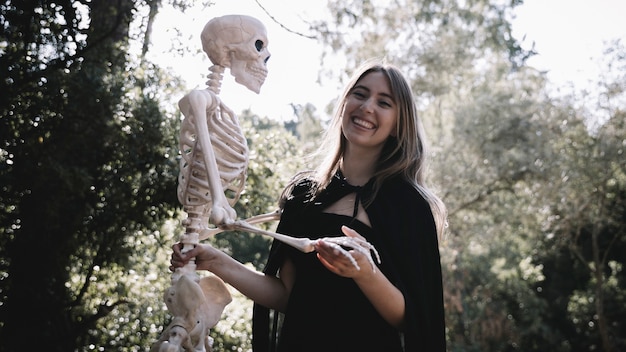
{"points": [[87, 168], [586, 229]]}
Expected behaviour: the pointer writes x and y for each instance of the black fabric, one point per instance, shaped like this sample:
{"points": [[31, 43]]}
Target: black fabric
{"points": [[324, 308]]}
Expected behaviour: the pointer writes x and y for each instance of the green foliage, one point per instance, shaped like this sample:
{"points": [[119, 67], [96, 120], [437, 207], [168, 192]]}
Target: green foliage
{"points": [[538, 184], [544, 186], [587, 222]]}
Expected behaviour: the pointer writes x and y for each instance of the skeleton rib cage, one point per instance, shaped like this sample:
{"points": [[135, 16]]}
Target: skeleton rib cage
{"points": [[231, 156]]}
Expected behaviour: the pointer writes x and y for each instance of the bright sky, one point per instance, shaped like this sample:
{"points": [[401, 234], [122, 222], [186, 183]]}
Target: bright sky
{"points": [[568, 35]]}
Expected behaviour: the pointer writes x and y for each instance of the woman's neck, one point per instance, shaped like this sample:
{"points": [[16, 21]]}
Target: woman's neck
{"points": [[358, 169]]}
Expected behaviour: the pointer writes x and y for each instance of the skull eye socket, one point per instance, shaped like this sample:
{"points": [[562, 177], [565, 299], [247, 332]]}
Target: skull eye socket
{"points": [[259, 45]]}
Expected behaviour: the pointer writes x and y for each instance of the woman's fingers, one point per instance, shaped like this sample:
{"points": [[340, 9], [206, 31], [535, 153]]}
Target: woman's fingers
{"points": [[351, 233], [335, 260], [178, 257]]}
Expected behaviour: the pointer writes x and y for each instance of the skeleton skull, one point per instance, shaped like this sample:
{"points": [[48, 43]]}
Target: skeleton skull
{"points": [[240, 43]]}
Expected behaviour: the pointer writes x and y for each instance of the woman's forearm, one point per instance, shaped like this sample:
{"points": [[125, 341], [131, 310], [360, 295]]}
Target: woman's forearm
{"points": [[266, 290], [384, 296]]}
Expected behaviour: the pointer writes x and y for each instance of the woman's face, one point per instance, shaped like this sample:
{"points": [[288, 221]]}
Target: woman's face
{"points": [[370, 113]]}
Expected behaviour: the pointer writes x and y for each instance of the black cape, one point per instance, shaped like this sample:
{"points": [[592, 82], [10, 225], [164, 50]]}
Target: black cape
{"points": [[405, 217]]}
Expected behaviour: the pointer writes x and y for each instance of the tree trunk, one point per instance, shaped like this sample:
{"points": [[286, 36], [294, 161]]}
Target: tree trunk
{"points": [[603, 326]]}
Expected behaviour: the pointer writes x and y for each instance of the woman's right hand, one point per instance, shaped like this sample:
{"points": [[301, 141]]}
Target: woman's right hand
{"points": [[204, 255], [267, 290]]}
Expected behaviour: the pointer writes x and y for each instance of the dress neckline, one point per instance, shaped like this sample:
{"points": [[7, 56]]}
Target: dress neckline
{"points": [[347, 188]]}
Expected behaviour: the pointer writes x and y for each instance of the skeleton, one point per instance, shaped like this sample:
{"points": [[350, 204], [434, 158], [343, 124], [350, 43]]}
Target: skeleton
{"points": [[212, 176]]}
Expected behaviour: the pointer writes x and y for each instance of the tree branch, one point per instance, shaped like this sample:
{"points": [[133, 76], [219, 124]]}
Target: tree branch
{"points": [[282, 25]]}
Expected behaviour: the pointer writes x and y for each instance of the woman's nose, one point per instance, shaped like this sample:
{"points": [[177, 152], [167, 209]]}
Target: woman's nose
{"points": [[367, 105]]}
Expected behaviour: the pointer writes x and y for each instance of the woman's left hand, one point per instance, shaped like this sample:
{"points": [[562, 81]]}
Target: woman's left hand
{"points": [[338, 263]]}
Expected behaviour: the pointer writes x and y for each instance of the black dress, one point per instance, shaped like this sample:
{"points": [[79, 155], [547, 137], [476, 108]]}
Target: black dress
{"points": [[327, 312]]}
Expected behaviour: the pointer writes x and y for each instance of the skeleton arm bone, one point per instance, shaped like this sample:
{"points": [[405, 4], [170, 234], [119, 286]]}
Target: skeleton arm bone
{"points": [[303, 244], [254, 220]]}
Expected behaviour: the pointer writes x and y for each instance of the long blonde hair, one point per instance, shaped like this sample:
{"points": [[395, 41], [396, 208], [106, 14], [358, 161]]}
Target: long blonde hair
{"points": [[404, 155]]}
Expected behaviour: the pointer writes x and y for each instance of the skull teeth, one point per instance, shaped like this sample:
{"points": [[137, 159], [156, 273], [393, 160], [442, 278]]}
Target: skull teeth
{"points": [[258, 72]]}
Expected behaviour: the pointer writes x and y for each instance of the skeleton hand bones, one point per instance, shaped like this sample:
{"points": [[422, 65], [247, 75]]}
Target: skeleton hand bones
{"points": [[333, 252]]}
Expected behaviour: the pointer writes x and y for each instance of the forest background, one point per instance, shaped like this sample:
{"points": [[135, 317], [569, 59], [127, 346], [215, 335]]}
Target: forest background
{"points": [[535, 181]]}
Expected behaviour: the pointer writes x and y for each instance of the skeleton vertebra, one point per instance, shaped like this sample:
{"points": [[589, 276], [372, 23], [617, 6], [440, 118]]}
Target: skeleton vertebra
{"points": [[212, 176]]}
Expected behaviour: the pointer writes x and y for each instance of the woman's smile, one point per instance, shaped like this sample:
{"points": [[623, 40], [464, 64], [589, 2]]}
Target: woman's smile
{"points": [[363, 123]]}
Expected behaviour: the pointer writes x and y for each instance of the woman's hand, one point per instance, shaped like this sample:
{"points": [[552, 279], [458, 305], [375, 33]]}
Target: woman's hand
{"points": [[204, 254], [338, 263]]}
